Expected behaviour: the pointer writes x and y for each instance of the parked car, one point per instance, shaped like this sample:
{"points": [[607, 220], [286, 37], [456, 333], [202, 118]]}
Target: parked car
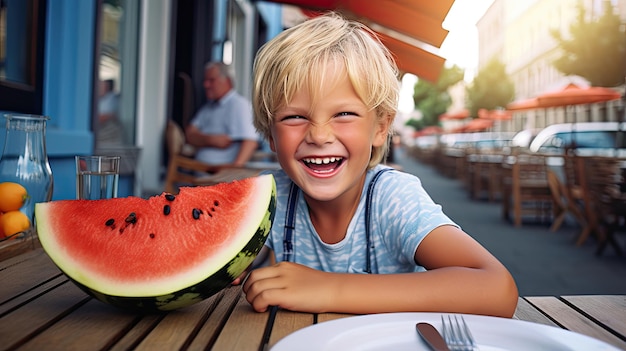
{"points": [[588, 138], [479, 140], [524, 137]]}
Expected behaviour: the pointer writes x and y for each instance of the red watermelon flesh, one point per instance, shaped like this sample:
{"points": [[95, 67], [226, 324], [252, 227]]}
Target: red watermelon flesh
{"points": [[134, 247]]}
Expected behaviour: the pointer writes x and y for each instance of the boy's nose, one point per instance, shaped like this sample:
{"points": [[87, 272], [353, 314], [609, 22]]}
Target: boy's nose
{"points": [[320, 133]]}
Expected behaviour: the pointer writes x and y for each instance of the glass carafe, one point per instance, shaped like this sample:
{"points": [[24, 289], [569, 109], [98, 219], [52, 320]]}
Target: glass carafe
{"points": [[25, 161]]}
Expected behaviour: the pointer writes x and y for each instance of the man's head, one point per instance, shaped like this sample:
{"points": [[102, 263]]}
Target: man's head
{"points": [[218, 80]]}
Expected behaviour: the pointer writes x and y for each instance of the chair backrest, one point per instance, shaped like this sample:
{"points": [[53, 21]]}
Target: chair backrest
{"points": [[530, 167], [556, 187], [602, 177], [175, 138]]}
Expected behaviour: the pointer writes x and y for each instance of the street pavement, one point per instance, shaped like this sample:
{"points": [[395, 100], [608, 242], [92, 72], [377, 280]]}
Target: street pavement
{"points": [[542, 262]]}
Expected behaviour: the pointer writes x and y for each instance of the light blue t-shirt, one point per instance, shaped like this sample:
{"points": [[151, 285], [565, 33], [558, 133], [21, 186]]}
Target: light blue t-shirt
{"points": [[402, 214], [231, 115]]}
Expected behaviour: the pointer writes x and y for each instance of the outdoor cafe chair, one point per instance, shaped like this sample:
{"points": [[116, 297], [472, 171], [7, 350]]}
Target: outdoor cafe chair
{"points": [[525, 188], [183, 169]]}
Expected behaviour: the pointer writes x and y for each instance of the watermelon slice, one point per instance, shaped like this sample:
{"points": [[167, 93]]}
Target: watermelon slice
{"points": [[161, 253]]}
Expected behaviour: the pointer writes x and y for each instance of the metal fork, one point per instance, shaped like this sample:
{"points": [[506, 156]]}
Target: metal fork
{"points": [[457, 335]]}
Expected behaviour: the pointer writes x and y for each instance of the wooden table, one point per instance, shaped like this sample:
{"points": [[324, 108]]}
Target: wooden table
{"points": [[41, 310]]}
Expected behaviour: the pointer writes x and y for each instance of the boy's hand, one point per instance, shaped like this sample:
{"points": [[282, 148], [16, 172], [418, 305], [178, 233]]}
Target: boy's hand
{"points": [[291, 286]]}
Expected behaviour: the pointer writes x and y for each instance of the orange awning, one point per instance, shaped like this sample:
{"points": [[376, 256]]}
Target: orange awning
{"points": [[414, 60], [403, 25]]}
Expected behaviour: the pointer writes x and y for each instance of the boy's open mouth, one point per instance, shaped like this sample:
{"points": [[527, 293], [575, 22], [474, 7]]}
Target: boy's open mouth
{"points": [[323, 164]]}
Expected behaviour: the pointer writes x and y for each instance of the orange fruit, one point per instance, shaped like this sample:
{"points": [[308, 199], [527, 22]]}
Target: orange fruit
{"points": [[12, 196], [13, 222]]}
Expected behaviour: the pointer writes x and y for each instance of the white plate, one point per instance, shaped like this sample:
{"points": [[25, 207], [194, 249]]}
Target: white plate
{"points": [[396, 331]]}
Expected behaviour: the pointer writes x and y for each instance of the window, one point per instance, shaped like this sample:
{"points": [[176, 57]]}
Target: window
{"points": [[116, 64], [22, 25]]}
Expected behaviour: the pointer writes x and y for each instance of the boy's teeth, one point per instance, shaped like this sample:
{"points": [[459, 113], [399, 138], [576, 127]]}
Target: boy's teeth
{"points": [[319, 161]]}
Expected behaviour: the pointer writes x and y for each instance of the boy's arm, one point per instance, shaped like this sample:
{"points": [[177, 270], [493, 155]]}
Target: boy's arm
{"points": [[462, 277]]}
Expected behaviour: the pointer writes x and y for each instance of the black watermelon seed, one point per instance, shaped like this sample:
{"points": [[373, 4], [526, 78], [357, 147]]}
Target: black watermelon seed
{"points": [[196, 213], [166, 210], [170, 197], [132, 218], [216, 203], [212, 209], [109, 222], [152, 235]]}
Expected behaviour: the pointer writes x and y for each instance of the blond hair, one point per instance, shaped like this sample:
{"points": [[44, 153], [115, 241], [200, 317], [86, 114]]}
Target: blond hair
{"points": [[298, 58]]}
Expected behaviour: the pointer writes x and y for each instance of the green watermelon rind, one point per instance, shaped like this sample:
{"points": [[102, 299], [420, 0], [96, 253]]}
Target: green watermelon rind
{"points": [[215, 282]]}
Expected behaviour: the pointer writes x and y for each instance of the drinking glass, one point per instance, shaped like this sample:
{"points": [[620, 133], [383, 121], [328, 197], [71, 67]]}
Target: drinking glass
{"points": [[97, 177]]}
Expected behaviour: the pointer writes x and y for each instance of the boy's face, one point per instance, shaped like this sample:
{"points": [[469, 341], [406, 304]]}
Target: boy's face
{"points": [[325, 148]]}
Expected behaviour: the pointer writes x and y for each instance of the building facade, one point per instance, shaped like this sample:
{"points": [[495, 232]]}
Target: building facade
{"points": [[518, 34], [145, 49]]}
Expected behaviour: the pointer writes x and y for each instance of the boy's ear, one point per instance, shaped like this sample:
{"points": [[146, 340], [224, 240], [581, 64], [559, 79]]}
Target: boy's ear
{"points": [[382, 131], [271, 141]]}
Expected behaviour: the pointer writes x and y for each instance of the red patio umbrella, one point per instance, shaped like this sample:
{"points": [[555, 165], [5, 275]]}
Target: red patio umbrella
{"points": [[573, 94], [460, 114], [521, 105], [477, 125], [494, 115]]}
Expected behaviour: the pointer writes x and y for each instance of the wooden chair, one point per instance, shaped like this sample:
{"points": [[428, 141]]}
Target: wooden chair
{"points": [[562, 205], [525, 188], [605, 203], [183, 169]]}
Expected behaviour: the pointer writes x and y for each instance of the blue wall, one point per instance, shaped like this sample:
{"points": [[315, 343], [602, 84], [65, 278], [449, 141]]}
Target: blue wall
{"points": [[68, 81], [67, 93]]}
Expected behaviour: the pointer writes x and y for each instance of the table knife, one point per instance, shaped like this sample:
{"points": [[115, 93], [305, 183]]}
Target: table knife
{"points": [[431, 336]]}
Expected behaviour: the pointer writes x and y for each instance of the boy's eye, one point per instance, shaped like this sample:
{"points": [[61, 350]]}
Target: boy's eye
{"points": [[347, 114], [293, 120], [291, 117]]}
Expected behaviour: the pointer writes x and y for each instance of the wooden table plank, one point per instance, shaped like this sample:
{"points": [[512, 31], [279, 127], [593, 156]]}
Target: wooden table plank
{"points": [[99, 325], [232, 336], [287, 322], [177, 328], [18, 245], [610, 310], [36, 265], [223, 304], [324, 317], [39, 314], [133, 337], [18, 300], [527, 312], [570, 319]]}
